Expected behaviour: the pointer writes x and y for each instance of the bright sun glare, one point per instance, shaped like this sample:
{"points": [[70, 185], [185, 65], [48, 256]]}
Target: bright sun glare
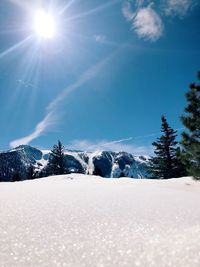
{"points": [[44, 25]]}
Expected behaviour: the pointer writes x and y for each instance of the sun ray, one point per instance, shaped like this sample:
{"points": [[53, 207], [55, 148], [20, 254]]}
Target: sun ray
{"points": [[27, 78], [94, 10], [15, 47], [66, 7]]}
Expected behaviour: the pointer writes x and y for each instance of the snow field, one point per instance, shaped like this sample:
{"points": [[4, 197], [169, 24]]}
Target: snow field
{"points": [[78, 220]]}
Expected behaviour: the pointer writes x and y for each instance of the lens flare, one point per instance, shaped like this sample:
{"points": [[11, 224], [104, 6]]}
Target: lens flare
{"points": [[44, 25]]}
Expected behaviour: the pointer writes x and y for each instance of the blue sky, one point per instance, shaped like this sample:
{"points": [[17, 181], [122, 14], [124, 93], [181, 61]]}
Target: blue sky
{"points": [[105, 77]]}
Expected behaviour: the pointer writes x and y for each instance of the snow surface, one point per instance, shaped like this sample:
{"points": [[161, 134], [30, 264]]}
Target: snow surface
{"points": [[78, 220]]}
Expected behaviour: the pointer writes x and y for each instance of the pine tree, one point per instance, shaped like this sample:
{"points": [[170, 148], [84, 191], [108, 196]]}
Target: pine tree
{"points": [[30, 173], [181, 168], [165, 164], [191, 137], [56, 160], [16, 177]]}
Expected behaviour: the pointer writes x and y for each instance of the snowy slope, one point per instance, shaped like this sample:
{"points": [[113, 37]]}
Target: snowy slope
{"points": [[80, 220]]}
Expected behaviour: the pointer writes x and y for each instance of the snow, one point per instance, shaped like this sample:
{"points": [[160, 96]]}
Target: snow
{"points": [[92, 155], [42, 163], [142, 159], [78, 158], [45, 151], [78, 220]]}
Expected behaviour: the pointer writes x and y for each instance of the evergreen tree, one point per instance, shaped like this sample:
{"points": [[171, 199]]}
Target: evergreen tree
{"points": [[30, 174], [16, 177], [181, 169], [56, 160], [191, 137], [165, 164]]}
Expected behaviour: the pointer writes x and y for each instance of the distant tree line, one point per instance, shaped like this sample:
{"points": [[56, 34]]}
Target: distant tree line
{"points": [[16, 176], [177, 159]]}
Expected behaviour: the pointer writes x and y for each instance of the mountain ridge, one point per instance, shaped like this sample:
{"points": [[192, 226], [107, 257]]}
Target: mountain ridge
{"points": [[107, 164]]}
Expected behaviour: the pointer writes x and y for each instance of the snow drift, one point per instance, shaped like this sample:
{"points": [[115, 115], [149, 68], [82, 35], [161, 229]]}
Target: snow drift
{"points": [[78, 220]]}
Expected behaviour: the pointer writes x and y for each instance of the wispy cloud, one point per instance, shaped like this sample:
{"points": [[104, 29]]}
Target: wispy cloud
{"points": [[100, 38], [26, 84], [127, 11], [119, 141], [124, 144], [50, 119], [139, 3], [40, 128], [145, 21], [106, 145], [177, 7], [85, 77]]}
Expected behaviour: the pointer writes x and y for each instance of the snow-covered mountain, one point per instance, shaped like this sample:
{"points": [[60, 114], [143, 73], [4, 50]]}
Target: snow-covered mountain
{"points": [[104, 163]]}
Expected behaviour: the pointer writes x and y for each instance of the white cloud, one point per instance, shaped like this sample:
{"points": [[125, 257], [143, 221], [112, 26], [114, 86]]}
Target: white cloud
{"points": [[148, 24], [177, 7], [116, 146], [145, 20]]}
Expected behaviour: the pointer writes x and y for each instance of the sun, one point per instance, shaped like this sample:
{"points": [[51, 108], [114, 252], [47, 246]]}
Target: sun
{"points": [[44, 25]]}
